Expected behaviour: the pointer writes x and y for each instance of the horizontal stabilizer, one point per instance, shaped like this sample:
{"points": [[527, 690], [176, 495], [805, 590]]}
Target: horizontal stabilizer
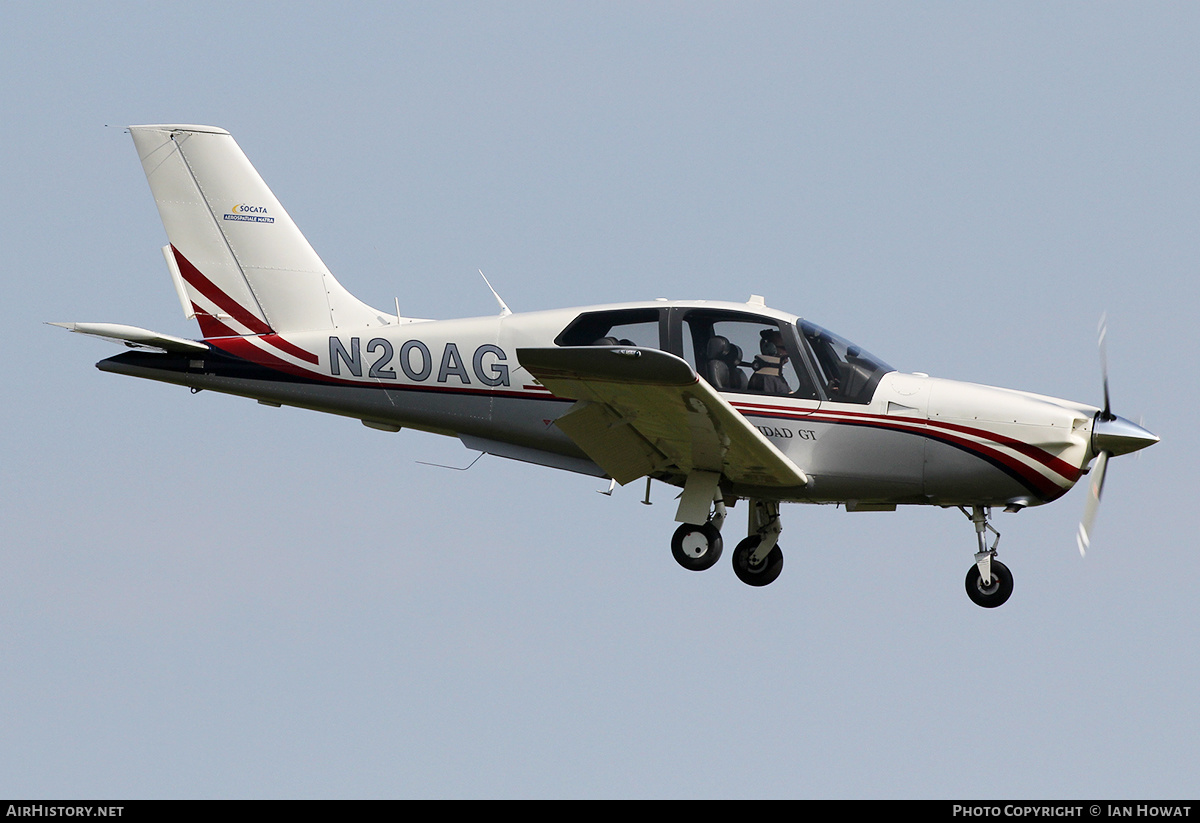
{"points": [[135, 337]]}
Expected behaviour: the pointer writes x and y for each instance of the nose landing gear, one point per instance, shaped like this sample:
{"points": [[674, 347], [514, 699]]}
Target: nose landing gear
{"points": [[989, 582], [995, 591]]}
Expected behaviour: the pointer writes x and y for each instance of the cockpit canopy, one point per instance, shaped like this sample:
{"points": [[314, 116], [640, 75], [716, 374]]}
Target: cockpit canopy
{"points": [[740, 351]]}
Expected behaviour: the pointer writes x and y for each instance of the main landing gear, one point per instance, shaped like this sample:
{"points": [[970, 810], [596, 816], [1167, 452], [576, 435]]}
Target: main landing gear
{"points": [[989, 582], [697, 548], [757, 560]]}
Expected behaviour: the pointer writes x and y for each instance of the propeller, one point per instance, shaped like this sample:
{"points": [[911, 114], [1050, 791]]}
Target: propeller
{"points": [[1111, 435], [1083, 538]]}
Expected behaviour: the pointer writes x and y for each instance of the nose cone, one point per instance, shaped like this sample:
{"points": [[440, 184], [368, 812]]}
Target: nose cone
{"points": [[1116, 435]]}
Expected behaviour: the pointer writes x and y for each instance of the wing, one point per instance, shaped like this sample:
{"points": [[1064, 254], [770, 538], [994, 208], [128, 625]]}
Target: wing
{"points": [[644, 411]]}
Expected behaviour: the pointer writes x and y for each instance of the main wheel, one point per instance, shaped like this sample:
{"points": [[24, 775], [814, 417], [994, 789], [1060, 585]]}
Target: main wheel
{"points": [[696, 548], [756, 574], [995, 593]]}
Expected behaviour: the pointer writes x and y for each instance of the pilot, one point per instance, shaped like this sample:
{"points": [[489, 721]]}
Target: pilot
{"points": [[768, 366]]}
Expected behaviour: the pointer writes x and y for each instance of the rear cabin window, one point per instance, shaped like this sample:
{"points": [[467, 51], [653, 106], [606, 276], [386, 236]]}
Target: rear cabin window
{"points": [[624, 327]]}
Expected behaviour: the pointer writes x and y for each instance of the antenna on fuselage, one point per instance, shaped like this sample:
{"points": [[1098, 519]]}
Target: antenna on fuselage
{"points": [[454, 468], [505, 311]]}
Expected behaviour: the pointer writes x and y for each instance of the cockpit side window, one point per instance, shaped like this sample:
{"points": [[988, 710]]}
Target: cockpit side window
{"points": [[745, 353], [623, 327]]}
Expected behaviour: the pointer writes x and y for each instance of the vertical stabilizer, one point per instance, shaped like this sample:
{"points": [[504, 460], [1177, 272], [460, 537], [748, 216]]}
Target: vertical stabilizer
{"points": [[244, 265]]}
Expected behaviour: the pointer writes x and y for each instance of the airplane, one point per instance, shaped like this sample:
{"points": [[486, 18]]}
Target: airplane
{"points": [[726, 401]]}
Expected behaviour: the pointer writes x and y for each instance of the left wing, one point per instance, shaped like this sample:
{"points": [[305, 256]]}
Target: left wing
{"points": [[643, 411]]}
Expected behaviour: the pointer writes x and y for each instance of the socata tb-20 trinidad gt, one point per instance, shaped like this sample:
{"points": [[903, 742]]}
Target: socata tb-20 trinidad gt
{"points": [[724, 400]]}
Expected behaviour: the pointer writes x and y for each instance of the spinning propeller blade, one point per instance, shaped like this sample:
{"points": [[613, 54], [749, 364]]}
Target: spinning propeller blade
{"points": [[1111, 435], [1101, 334], [1083, 538]]}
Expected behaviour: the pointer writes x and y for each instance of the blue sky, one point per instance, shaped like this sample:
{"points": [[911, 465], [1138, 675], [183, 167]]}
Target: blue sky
{"points": [[209, 598]]}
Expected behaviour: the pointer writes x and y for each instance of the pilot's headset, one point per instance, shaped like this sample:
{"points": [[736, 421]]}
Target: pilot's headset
{"points": [[771, 359], [766, 345]]}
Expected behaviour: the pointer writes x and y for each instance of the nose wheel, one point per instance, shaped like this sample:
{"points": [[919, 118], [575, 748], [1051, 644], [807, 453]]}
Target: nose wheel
{"points": [[993, 593], [989, 582]]}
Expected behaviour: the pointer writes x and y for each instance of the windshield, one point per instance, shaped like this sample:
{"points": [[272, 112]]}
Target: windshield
{"points": [[846, 372]]}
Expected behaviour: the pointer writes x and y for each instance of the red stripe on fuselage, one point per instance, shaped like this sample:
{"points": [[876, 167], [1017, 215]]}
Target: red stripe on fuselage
{"points": [[944, 432], [240, 346], [212, 327], [209, 325], [291, 348], [1055, 464], [223, 301], [1044, 486]]}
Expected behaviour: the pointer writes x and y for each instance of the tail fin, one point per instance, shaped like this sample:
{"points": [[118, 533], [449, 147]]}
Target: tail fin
{"points": [[239, 259]]}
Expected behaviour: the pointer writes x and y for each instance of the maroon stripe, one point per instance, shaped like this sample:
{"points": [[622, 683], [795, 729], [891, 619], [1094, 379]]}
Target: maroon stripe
{"points": [[1045, 487], [291, 348], [241, 346], [1055, 464], [1042, 484], [223, 301], [211, 327]]}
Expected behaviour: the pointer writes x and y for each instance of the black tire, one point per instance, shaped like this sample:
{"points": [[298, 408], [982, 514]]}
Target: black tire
{"points": [[756, 575], [995, 594], [696, 548]]}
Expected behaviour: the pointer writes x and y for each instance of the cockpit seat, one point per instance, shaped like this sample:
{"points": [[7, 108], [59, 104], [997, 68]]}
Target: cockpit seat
{"points": [[722, 361]]}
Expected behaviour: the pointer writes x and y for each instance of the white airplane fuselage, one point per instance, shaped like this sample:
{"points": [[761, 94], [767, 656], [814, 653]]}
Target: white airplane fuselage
{"points": [[918, 440]]}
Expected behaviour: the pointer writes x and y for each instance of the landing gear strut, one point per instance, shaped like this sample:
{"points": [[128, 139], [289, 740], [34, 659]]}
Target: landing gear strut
{"points": [[758, 560], [989, 582]]}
